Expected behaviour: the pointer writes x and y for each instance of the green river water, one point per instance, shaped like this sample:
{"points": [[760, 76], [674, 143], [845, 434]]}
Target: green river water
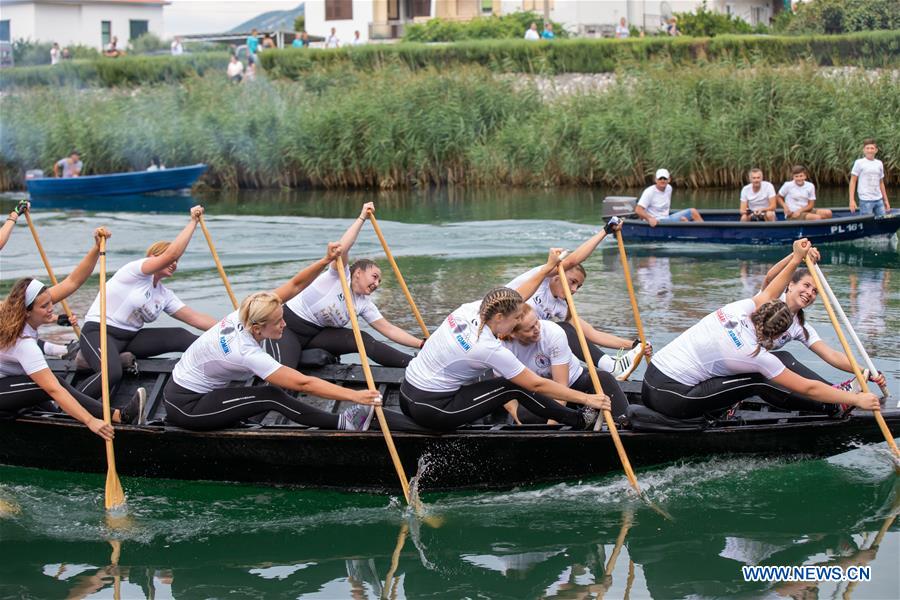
{"points": [[214, 540]]}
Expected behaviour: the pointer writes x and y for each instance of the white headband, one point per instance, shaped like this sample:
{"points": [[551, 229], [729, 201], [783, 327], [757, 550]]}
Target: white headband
{"points": [[31, 292]]}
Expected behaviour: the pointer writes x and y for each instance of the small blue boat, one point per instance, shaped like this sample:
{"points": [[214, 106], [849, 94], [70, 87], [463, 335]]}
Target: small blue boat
{"points": [[723, 226], [115, 184]]}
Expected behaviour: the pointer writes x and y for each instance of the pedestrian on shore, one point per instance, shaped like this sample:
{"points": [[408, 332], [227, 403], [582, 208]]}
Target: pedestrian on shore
{"points": [[71, 165], [532, 33], [333, 41], [268, 43], [758, 199], [357, 39], [798, 198], [867, 181], [622, 31], [548, 32], [656, 200], [55, 54], [301, 41], [672, 27], [252, 47], [177, 48], [235, 69]]}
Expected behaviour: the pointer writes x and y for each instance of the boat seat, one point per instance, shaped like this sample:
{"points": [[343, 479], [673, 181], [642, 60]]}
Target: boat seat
{"points": [[642, 418], [316, 357]]}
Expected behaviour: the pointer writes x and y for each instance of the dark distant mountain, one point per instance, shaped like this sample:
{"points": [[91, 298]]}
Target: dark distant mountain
{"points": [[275, 20]]}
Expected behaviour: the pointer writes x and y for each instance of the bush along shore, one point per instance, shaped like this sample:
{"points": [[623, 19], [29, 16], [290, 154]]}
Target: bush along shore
{"points": [[400, 128], [877, 49]]}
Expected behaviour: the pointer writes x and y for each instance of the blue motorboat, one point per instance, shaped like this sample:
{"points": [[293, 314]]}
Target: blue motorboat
{"points": [[115, 184], [723, 226]]}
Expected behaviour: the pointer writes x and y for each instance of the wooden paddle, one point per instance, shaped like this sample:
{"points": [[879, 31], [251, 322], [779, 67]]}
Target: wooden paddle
{"points": [[115, 497], [592, 370], [215, 255], [840, 311], [634, 307], [370, 381], [50, 274], [627, 519], [398, 274], [389, 590], [862, 381]]}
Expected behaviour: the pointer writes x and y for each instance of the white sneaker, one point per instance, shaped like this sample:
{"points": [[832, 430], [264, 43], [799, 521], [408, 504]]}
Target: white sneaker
{"points": [[624, 360], [357, 418]]}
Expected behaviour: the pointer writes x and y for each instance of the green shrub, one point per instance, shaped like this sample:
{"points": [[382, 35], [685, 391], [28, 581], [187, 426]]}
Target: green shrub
{"points": [[706, 23], [840, 16], [147, 44], [510, 26]]}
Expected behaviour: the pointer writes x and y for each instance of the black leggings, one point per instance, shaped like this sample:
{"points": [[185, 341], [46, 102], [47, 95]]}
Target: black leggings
{"points": [[301, 334], [584, 384], [19, 391], [671, 398], [575, 345], [142, 343], [445, 411], [225, 407]]}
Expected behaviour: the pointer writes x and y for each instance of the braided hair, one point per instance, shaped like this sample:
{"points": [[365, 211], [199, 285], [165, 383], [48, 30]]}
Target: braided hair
{"points": [[770, 321], [498, 301]]}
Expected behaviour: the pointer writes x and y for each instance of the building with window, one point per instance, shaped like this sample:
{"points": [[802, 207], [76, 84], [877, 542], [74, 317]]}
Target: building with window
{"points": [[85, 22], [385, 19]]}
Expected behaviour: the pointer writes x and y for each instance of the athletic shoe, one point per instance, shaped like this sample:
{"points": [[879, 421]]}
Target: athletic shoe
{"points": [[624, 360], [357, 418], [72, 349], [590, 416], [133, 414]]}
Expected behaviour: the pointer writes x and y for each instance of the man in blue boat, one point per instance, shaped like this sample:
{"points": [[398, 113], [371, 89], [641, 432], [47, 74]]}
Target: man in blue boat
{"points": [[758, 198], [798, 198], [71, 166], [655, 201]]}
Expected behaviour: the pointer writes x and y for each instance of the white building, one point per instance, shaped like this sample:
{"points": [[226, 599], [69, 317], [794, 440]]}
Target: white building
{"points": [[86, 22], [386, 18]]}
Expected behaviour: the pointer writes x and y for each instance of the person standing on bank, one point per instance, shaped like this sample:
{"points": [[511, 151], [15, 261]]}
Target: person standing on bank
{"points": [[655, 201], [135, 296], [867, 181], [25, 378], [317, 317]]}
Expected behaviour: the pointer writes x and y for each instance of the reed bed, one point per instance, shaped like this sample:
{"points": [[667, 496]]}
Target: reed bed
{"points": [[398, 128]]}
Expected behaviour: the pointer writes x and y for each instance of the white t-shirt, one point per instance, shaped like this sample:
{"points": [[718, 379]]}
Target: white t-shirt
{"points": [[235, 69], [795, 332], [177, 48], [332, 41], [532, 35], [225, 353], [757, 200], [69, 169], [322, 303], [869, 174], [132, 300], [545, 304], [655, 202], [54, 56], [24, 357], [453, 357], [797, 196], [718, 346], [551, 349], [622, 31]]}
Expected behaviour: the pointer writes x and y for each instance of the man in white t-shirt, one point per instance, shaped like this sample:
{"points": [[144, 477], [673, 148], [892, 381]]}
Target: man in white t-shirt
{"points": [[68, 167], [622, 31], [656, 200], [532, 33], [798, 198], [235, 69], [177, 47], [332, 41], [758, 198], [867, 180]]}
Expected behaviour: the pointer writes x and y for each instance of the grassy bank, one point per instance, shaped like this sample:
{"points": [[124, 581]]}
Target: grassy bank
{"points": [[396, 128]]}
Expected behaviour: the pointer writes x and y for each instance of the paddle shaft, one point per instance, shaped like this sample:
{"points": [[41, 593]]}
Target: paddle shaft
{"points": [[215, 255], [114, 496], [840, 311], [53, 281], [370, 381], [623, 257], [592, 370], [399, 275], [889, 438]]}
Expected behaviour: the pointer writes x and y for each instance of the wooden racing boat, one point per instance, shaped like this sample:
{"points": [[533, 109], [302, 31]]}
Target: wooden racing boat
{"points": [[275, 451]]}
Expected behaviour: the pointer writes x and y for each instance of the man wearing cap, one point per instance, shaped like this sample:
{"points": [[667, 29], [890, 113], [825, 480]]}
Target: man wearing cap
{"points": [[654, 204]]}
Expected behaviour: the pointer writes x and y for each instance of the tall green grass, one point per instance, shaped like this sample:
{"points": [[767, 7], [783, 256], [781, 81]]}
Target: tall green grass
{"points": [[400, 128]]}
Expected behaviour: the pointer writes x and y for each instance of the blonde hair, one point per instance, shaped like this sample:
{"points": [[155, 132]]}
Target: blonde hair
{"points": [[256, 309], [770, 321], [157, 248], [498, 301], [13, 313], [526, 310]]}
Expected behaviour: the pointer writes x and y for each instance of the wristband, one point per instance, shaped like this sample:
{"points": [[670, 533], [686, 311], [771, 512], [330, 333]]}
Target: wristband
{"points": [[421, 344], [10, 219]]}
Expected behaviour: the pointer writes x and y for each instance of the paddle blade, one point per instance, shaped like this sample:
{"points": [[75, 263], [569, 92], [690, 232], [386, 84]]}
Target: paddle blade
{"points": [[115, 496], [618, 206]]}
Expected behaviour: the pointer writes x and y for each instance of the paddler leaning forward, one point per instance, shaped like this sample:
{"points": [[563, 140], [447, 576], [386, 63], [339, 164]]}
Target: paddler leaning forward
{"points": [[200, 395], [438, 390]]}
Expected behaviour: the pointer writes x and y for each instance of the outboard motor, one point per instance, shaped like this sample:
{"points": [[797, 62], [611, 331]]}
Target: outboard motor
{"points": [[34, 174], [618, 206]]}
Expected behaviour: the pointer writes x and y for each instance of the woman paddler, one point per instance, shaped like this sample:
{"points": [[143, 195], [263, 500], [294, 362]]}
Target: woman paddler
{"points": [[727, 357], [25, 378], [542, 347], [549, 301], [200, 395], [438, 390], [135, 295], [318, 317], [799, 295]]}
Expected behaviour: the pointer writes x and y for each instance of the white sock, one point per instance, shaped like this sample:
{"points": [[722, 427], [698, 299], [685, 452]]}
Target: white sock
{"points": [[606, 363], [51, 349]]}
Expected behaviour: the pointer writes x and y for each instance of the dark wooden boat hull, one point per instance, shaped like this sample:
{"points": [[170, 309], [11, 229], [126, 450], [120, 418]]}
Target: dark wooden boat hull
{"points": [[476, 457]]}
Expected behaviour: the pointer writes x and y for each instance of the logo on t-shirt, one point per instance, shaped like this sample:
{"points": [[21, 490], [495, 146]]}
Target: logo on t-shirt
{"points": [[224, 343], [542, 360]]}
